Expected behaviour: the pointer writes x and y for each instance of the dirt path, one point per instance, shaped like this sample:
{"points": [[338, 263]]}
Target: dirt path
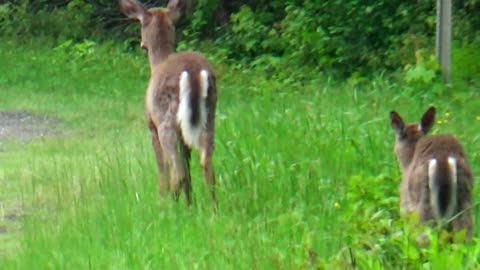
{"points": [[17, 127], [24, 126]]}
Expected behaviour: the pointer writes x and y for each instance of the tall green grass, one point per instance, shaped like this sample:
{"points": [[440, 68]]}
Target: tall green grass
{"points": [[306, 173]]}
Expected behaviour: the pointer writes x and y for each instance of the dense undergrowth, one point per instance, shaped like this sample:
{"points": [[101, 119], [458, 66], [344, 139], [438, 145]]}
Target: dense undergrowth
{"points": [[305, 165], [336, 37], [304, 158]]}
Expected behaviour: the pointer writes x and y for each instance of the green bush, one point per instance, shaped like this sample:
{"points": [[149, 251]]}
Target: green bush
{"points": [[26, 20], [347, 37], [466, 62]]}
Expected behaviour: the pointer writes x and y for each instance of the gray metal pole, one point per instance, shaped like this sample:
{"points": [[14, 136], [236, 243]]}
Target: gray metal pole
{"points": [[444, 37]]}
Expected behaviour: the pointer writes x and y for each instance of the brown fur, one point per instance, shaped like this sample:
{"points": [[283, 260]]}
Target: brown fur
{"points": [[162, 98], [414, 151]]}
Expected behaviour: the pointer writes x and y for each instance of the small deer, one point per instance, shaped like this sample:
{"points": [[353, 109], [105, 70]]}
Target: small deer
{"points": [[436, 179], [180, 100]]}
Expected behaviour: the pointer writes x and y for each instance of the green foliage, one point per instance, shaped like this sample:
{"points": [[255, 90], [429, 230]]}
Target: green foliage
{"points": [[350, 38], [303, 40], [76, 50], [249, 33], [467, 23], [200, 21], [306, 173], [425, 69], [24, 19], [466, 62]]}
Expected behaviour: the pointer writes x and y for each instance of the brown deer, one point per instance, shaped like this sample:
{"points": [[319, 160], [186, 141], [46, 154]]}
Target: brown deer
{"points": [[436, 179], [180, 100]]}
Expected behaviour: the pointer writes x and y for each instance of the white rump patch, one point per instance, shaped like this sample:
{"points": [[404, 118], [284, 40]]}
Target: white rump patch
{"points": [[434, 188], [204, 83], [184, 83], [183, 109], [452, 165], [432, 170], [191, 133]]}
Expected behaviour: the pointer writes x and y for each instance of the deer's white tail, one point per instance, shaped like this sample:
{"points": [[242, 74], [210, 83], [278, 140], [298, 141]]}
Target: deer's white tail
{"points": [[443, 187], [192, 110]]}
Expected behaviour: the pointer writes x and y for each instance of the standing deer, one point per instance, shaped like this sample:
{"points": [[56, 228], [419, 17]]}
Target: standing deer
{"points": [[180, 100], [436, 179]]}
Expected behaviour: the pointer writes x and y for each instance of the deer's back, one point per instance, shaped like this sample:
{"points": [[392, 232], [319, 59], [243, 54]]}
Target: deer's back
{"points": [[437, 146], [415, 181], [162, 97], [176, 63]]}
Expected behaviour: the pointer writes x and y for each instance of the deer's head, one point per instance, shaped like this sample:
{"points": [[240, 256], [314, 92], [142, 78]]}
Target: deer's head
{"points": [[407, 135], [157, 25]]}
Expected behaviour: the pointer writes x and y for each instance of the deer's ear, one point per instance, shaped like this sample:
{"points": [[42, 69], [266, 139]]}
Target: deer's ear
{"points": [[428, 119], [134, 10], [174, 9], [397, 122]]}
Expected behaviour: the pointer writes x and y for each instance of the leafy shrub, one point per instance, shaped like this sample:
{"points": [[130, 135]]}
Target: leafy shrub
{"points": [[348, 37], [77, 50], [466, 62], [249, 34], [425, 69], [25, 20], [389, 241]]}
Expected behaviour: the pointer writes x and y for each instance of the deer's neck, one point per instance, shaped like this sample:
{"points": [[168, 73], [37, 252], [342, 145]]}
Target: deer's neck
{"points": [[158, 54], [405, 165], [405, 159], [405, 152]]}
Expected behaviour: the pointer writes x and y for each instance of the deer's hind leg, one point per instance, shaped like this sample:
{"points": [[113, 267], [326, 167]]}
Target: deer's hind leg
{"points": [[185, 153], [177, 160], [207, 144], [206, 149], [161, 162], [464, 218], [464, 222]]}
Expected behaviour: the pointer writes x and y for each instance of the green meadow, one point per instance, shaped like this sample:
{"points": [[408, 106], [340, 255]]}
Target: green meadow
{"points": [[307, 177]]}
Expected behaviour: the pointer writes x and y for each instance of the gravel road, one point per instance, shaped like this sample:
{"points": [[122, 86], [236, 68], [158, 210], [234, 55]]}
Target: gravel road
{"points": [[18, 126], [24, 126]]}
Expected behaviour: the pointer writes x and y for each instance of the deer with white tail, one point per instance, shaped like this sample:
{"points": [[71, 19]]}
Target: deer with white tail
{"points": [[180, 100], [437, 181]]}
